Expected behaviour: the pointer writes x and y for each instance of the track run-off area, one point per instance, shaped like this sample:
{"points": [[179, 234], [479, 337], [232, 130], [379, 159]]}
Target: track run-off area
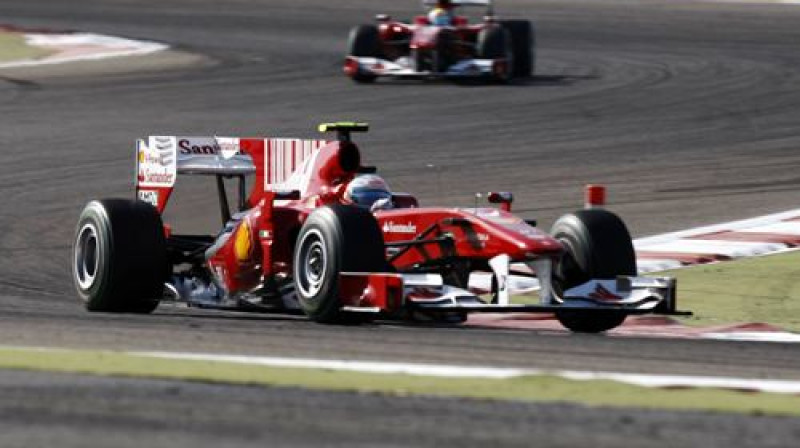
{"points": [[686, 111]]}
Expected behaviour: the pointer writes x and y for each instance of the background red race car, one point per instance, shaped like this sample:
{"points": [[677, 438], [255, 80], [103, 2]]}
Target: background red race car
{"points": [[320, 232], [442, 44]]}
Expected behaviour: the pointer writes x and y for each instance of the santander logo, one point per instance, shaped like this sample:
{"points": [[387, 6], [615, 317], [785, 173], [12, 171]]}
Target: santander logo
{"points": [[391, 227], [187, 147]]}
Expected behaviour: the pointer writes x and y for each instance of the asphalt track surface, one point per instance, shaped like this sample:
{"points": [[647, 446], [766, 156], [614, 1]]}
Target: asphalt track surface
{"points": [[686, 111], [36, 411]]}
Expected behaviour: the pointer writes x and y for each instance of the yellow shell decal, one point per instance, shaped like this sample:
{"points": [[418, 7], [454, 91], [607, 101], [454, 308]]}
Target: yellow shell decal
{"points": [[243, 245]]}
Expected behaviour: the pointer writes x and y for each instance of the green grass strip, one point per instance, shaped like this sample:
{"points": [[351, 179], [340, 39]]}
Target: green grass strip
{"points": [[14, 48], [529, 388], [761, 289]]}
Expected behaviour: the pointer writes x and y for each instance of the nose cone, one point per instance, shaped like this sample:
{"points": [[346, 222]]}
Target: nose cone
{"points": [[527, 240], [425, 38]]}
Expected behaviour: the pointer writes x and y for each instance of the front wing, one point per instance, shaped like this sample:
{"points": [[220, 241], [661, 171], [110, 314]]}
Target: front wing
{"points": [[389, 293], [404, 68]]}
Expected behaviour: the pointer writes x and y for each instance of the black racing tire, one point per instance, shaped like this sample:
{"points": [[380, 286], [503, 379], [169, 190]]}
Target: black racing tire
{"points": [[494, 42], [364, 41], [422, 60], [445, 49], [119, 258], [597, 321], [334, 239], [523, 44], [598, 246]]}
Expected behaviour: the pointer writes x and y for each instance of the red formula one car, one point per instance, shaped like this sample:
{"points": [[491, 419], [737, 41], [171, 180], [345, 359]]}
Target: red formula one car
{"points": [[442, 44], [321, 233]]}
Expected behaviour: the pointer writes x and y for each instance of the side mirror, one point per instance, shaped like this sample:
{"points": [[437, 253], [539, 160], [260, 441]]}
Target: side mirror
{"points": [[504, 198], [383, 17]]}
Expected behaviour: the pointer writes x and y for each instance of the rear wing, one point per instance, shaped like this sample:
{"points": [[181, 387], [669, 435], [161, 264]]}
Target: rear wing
{"points": [[275, 162]]}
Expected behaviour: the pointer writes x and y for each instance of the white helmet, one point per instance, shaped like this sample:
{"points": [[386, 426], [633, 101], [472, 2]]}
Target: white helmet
{"points": [[368, 191]]}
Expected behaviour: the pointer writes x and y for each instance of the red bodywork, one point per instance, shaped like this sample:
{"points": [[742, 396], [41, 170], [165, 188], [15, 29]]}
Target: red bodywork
{"points": [[480, 233], [398, 38], [260, 242]]}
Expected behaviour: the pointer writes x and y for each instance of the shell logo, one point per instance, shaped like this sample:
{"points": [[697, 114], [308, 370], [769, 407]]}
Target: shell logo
{"points": [[243, 244]]}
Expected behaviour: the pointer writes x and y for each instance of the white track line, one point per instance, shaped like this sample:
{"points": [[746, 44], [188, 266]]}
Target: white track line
{"points": [[734, 249], [691, 241], [788, 228], [99, 47], [732, 226], [754, 336], [655, 265], [456, 371]]}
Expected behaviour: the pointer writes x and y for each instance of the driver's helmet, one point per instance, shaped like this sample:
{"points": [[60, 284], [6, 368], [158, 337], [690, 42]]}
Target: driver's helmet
{"points": [[440, 17], [369, 191]]}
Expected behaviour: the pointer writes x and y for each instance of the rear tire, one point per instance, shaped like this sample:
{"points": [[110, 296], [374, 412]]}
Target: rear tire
{"points": [[334, 239], [119, 261], [523, 43], [598, 246], [494, 42], [364, 41]]}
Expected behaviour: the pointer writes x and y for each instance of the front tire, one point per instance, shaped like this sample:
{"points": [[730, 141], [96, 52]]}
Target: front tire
{"points": [[119, 259], [364, 41], [334, 239], [598, 246], [444, 56], [494, 42], [590, 321]]}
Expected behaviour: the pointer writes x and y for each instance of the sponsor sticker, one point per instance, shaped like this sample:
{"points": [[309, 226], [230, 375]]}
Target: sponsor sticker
{"points": [[226, 147], [194, 146], [149, 196], [391, 227], [529, 232], [156, 162], [243, 244]]}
